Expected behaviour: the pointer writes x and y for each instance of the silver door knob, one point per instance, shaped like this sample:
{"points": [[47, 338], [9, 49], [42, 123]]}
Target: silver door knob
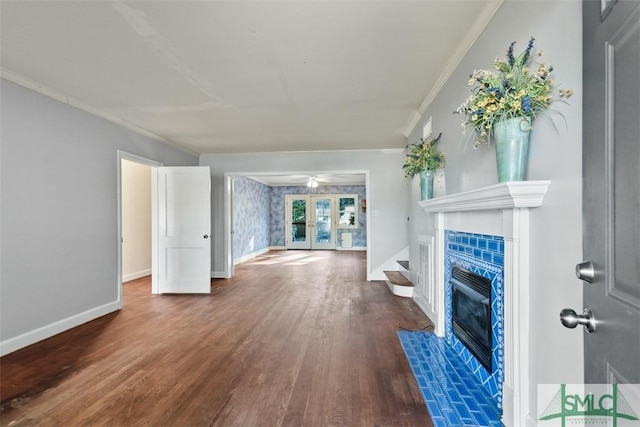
{"points": [[586, 271], [570, 319]]}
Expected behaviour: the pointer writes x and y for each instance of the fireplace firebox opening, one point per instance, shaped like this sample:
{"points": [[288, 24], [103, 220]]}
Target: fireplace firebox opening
{"points": [[471, 313]]}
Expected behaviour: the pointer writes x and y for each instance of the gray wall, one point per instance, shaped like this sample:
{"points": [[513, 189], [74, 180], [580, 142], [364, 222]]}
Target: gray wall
{"points": [[555, 155], [387, 201], [58, 249]]}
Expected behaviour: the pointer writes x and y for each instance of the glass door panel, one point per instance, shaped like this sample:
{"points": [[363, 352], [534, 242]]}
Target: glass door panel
{"points": [[297, 222], [324, 234]]}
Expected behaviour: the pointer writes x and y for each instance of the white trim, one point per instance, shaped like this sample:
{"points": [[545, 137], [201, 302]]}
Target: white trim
{"points": [[44, 332], [400, 290], [228, 225], [80, 105], [440, 293], [134, 276], [227, 197], [507, 195], [425, 294], [219, 275], [123, 155], [277, 248], [353, 248], [367, 190], [251, 256]]}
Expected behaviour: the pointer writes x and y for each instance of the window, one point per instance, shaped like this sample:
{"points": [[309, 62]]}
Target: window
{"points": [[348, 211]]}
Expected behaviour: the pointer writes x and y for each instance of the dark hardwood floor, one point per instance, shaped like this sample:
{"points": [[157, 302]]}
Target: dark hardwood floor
{"points": [[296, 338]]}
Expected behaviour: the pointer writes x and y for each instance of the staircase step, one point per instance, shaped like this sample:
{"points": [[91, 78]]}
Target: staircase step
{"points": [[399, 284]]}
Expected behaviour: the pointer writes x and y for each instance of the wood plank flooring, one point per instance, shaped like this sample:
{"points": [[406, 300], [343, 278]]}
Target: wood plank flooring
{"points": [[296, 338]]}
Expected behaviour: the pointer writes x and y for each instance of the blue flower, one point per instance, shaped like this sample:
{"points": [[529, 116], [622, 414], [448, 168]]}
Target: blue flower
{"points": [[510, 56], [495, 90], [528, 51], [526, 104]]}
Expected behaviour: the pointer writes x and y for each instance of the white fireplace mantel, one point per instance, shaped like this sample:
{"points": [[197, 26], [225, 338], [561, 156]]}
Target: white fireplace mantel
{"points": [[507, 195], [502, 209]]}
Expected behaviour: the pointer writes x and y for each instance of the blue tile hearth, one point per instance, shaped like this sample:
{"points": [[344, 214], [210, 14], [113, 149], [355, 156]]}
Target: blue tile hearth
{"points": [[452, 393]]}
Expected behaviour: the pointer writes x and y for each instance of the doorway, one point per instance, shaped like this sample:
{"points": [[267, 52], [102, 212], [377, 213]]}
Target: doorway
{"points": [[134, 266], [136, 220]]}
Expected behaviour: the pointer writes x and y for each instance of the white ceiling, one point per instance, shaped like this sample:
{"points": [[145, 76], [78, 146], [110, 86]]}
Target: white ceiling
{"points": [[235, 76]]}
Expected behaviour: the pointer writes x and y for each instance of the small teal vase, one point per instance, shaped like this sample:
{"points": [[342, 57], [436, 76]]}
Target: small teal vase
{"points": [[426, 185], [511, 138]]}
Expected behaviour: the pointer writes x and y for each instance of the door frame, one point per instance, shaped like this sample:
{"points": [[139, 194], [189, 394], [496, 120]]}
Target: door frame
{"points": [[227, 198], [123, 155], [312, 221]]}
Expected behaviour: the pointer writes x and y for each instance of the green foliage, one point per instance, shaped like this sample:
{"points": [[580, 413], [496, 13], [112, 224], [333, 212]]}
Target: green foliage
{"points": [[299, 211], [423, 156], [512, 89]]}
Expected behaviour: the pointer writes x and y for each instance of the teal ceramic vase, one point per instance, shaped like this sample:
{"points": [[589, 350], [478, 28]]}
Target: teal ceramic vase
{"points": [[511, 138], [426, 185]]}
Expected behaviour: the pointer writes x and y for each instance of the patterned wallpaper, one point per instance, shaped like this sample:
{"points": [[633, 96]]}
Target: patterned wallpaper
{"points": [[278, 210], [251, 214], [259, 214]]}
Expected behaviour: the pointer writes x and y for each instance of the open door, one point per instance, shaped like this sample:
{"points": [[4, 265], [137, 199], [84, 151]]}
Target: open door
{"points": [[611, 199], [184, 229]]}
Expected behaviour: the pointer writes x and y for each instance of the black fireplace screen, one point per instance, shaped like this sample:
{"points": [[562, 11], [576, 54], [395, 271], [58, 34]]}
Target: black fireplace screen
{"points": [[471, 310]]}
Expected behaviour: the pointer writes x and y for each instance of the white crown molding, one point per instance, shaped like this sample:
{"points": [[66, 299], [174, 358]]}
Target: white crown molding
{"points": [[507, 195], [80, 105], [470, 38]]}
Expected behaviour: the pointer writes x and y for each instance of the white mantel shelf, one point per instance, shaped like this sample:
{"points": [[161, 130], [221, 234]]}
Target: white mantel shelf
{"points": [[506, 195]]}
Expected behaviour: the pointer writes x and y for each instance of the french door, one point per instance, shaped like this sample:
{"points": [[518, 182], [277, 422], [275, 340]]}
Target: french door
{"points": [[310, 222]]}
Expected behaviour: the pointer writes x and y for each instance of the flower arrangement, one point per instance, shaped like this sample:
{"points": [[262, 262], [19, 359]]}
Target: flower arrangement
{"points": [[513, 89], [423, 156]]}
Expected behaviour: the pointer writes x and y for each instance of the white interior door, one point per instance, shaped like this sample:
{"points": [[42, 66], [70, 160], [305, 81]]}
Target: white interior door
{"points": [[184, 229]]}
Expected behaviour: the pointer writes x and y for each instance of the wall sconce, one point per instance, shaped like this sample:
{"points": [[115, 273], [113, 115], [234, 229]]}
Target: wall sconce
{"points": [[364, 205]]}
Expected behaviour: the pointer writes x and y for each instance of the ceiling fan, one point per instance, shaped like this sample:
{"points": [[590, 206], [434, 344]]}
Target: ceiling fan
{"points": [[313, 181]]}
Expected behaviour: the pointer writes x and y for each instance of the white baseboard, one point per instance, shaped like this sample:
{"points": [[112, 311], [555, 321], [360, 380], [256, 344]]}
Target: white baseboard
{"points": [[277, 248], [134, 276], [16, 343], [252, 255], [218, 275], [353, 248]]}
